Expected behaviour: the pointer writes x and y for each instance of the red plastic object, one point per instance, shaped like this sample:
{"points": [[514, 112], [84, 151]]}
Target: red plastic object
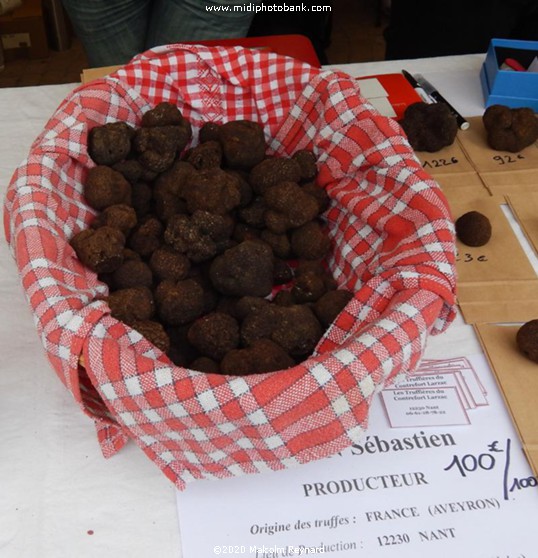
{"points": [[401, 93]]}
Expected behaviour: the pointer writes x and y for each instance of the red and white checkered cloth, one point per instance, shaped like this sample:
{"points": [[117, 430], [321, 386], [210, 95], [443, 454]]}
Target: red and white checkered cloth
{"points": [[393, 245]]}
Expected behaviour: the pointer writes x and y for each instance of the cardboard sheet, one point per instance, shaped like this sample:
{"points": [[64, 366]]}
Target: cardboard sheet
{"points": [[496, 282], [525, 209], [484, 159], [449, 160], [466, 184], [89, 74], [494, 302], [518, 381], [506, 182], [502, 258]]}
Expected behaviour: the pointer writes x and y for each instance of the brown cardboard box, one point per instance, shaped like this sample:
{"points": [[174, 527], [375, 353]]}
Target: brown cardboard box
{"points": [[23, 32]]}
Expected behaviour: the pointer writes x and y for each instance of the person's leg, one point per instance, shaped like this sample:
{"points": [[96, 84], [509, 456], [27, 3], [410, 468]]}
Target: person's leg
{"points": [[192, 20], [112, 31]]}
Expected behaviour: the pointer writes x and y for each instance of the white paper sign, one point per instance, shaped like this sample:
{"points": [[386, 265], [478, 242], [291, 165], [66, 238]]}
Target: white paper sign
{"points": [[464, 491]]}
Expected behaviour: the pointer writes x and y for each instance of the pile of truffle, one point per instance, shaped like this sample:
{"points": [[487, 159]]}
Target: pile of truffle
{"points": [[215, 253]]}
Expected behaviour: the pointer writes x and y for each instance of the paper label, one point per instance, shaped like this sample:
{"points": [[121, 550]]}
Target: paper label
{"points": [[463, 491], [424, 406]]}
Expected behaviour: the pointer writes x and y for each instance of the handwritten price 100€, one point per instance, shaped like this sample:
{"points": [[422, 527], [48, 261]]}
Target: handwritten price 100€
{"points": [[487, 461]]}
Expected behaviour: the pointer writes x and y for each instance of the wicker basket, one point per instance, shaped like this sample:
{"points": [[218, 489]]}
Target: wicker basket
{"points": [[393, 246]]}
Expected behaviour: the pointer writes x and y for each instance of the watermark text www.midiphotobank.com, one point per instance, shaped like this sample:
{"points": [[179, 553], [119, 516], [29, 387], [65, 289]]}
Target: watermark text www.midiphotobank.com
{"points": [[267, 7]]}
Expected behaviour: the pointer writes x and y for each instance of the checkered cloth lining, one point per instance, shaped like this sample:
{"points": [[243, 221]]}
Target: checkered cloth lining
{"points": [[393, 245]]}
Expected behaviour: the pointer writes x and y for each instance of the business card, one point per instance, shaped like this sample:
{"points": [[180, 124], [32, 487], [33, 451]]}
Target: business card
{"points": [[420, 407]]}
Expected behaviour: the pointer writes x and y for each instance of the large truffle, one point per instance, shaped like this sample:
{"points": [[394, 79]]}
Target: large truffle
{"points": [[131, 305], [272, 171], [156, 148], [212, 190], [307, 162], [214, 335], [527, 340], [510, 129], [101, 250], [243, 143], [289, 206], [199, 236], [169, 264], [429, 127], [473, 228], [205, 155], [309, 242], [308, 287], [133, 273], [105, 187], [179, 303], [146, 237], [120, 216], [110, 143], [165, 114], [294, 328], [245, 269]]}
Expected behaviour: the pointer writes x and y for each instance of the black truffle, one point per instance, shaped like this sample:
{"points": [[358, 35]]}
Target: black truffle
{"points": [[214, 335], [110, 143], [527, 340], [213, 190], [510, 129], [105, 187], [272, 171], [429, 127], [289, 206], [170, 264], [120, 216], [199, 236], [309, 242], [473, 228], [101, 250], [133, 273], [245, 269], [131, 305], [243, 143], [179, 303]]}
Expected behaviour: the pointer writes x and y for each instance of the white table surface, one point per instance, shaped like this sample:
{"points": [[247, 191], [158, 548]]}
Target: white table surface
{"points": [[59, 498]]}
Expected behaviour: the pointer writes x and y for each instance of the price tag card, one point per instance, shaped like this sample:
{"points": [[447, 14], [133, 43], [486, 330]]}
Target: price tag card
{"points": [[449, 160], [423, 406], [413, 492], [496, 282], [502, 258], [485, 159]]}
